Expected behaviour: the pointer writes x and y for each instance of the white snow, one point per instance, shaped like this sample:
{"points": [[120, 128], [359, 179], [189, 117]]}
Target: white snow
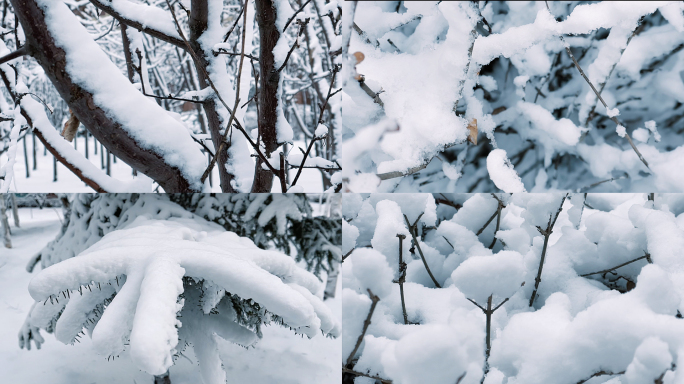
{"points": [[502, 173], [621, 131], [626, 327]]}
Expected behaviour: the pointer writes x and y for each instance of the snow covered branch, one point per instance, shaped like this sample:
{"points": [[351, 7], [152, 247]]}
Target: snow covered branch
{"points": [[132, 127], [145, 18]]}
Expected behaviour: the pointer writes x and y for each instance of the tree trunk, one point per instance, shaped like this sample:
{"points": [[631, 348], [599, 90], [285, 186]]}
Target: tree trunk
{"points": [[5, 223], [198, 23], [111, 133], [268, 90], [15, 210]]}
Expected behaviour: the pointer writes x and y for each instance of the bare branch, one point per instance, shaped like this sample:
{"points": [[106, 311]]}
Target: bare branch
{"points": [[546, 233], [295, 14], [411, 229], [646, 256], [402, 276], [598, 95], [366, 323], [11, 56], [356, 373]]}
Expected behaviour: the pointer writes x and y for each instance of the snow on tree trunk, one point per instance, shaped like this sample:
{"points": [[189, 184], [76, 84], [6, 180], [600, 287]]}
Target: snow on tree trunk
{"points": [[132, 127], [199, 24], [7, 240]]}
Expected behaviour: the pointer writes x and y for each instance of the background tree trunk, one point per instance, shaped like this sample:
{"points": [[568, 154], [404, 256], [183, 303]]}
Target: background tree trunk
{"points": [[5, 223], [15, 210]]}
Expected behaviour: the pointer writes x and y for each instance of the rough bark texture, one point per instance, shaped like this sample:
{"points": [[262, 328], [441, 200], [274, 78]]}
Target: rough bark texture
{"points": [[106, 130], [268, 90], [198, 22]]}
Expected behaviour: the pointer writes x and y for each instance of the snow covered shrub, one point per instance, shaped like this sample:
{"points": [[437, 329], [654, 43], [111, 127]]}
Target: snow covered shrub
{"points": [[488, 96], [151, 274], [520, 288]]}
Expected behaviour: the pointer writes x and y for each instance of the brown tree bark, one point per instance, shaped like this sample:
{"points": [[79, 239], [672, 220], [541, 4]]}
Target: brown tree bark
{"points": [[268, 90], [109, 132], [198, 22]]}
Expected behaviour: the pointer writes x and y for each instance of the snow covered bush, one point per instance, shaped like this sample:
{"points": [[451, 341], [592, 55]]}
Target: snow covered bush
{"points": [[519, 288], [495, 96], [148, 275], [176, 90]]}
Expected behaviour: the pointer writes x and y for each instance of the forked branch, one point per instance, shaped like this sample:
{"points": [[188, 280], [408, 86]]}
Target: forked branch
{"points": [[546, 233], [413, 231]]}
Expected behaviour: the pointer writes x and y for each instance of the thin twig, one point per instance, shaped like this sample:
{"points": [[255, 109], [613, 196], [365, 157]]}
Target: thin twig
{"points": [[596, 184], [356, 373], [402, 276], [411, 229], [142, 83], [449, 242], [487, 223], [498, 219], [318, 122], [546, 233], [295, 15], [344, 257], [366, 323], [615, 120], [108, 32], [488, 313], [222, 51], [237, 20], [646, 256], [600, 373]]}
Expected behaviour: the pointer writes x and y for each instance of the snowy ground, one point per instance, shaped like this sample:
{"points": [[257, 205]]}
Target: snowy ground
{"points": [[281, 356], [41, 179]]}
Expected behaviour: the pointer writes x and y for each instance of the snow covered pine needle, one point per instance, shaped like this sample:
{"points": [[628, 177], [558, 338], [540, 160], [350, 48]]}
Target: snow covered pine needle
{"points": [[130, 289]]}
